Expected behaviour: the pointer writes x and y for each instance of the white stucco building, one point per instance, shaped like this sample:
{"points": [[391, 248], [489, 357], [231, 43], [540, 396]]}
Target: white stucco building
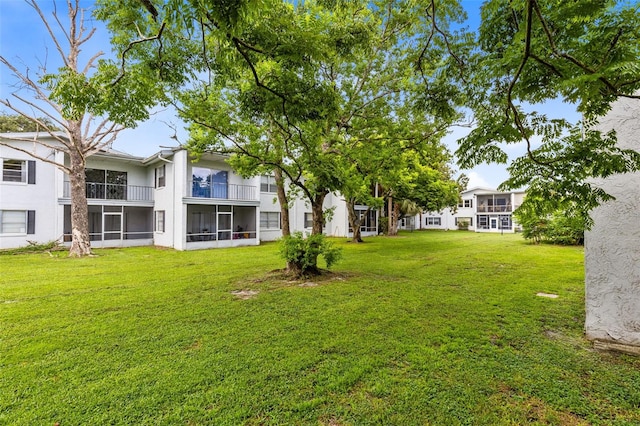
{"points": [[167, 199], [483, 209], [612, 246]]}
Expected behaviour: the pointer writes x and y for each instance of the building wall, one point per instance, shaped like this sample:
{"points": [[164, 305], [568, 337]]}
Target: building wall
{"points": [[136, 173], [448, 217], [612, 246], [39, 197], [269, 203], [164, 201]]}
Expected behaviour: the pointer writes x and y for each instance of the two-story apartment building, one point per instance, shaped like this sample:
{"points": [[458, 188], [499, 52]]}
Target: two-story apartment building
{"points": [[481, 209], [202, 204], [167, 199]]}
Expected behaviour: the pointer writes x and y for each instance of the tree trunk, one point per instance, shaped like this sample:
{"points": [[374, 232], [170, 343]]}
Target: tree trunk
{"points": [[393, 218], [317, 212], [392, 210], [80, 242], [355, 221], [284, 203]]}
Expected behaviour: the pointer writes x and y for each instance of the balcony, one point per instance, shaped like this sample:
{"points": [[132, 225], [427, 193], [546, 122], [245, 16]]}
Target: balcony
{"points": [[495, 209], [112, 191], [222, 191]]}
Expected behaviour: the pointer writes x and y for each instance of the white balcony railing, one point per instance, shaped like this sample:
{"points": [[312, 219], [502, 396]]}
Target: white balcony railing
{"points": [[495, 209], [223, 191]]}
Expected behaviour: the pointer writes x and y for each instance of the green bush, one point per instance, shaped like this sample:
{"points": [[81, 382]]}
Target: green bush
{"points": [[540, 223], [384, 225], [301, 253]]}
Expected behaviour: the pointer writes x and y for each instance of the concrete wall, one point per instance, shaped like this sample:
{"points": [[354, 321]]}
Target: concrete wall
{"points": [[612, 247], [39, 197]]}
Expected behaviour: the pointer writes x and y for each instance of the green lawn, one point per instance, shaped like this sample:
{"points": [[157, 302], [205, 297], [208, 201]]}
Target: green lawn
{"points": [[438, 328]]}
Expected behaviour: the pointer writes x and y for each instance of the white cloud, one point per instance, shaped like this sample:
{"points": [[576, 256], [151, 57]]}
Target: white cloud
{"points": [[476, 180]]}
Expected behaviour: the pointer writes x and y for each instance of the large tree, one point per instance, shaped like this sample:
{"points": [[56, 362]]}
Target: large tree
{"points": [[314, 90], [84, 105], [531, 51]]}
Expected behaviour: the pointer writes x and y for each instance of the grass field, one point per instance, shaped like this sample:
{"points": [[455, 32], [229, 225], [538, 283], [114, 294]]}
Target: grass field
{"points": [[439, 328]]}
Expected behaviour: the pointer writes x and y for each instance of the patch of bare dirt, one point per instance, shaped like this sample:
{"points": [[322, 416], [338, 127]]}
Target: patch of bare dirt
{"points": [[245, 294]]}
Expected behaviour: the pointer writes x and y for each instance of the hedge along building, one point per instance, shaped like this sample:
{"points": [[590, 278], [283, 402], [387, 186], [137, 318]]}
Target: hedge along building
{"points": [[612, 246]]}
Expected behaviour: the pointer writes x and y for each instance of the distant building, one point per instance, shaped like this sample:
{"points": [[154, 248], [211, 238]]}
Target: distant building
{"points": [[480, 210]]}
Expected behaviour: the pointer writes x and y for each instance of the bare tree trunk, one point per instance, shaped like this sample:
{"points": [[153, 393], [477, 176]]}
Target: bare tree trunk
{"points": [[317, 212], [355, 221], [284, 203], [80, 242]]}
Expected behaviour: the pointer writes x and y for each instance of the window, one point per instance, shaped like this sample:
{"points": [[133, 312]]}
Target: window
{"points": [[19, 171], [483, 221], [14, 171], [209, 183], [268, 184], [270, 220], [159, 221], [17, 221], [505, 221], [159, 178], [468, 220], [465, 203], [106, 184], [308, 220], [433, 221]]}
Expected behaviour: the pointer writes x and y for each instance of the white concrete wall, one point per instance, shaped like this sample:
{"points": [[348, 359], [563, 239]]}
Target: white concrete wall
{"points": [[164, 200], [612, 246], [267, 204], [136, 173], [40, 197]]}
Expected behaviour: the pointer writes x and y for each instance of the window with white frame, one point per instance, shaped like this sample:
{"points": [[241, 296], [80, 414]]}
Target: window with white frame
{"points": [[17, 221], [14, 170], [159, 221], [268, 184], [463, 220], [269, 220], [160, 176], [308, 220], [433, 221], [22, 171]]}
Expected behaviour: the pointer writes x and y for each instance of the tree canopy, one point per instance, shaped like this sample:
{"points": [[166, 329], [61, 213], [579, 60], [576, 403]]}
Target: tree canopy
{"points": [[333, 94], [531, 51], [18, 123]]}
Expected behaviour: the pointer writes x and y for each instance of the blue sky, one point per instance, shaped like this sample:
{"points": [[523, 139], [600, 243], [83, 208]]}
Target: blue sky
{"points": [[25, 43]]}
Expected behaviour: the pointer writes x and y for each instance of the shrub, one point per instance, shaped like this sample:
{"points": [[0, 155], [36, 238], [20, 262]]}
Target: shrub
{"points": [[34, 247], [564, 225], [301, 254], [384, 225]]}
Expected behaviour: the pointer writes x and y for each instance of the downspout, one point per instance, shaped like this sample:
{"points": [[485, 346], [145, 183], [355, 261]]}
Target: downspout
{"points": [[160, 157]]}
